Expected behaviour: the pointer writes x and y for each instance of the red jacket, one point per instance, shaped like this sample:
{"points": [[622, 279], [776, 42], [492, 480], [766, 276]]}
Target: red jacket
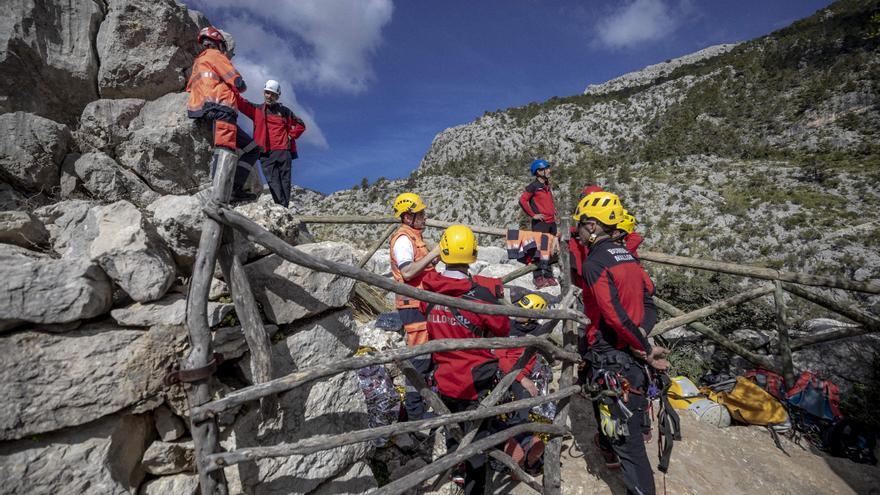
{"points": [[538, 198], [632, 243], [276, 127], [508, 357], [214, 82], [454, 370], [578, 253], [615, 301]]}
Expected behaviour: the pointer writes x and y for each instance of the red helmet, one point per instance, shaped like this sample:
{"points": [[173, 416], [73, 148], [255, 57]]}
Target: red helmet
{"points": [[590, 190], [211, 33]]}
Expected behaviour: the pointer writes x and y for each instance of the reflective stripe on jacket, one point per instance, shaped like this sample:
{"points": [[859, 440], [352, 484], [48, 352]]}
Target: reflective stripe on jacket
{"points": [[420, 250], [214, 81]]}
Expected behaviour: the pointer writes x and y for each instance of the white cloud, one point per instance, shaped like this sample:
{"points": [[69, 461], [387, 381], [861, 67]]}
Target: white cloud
{"points": [[640, 21], [322, 44]]}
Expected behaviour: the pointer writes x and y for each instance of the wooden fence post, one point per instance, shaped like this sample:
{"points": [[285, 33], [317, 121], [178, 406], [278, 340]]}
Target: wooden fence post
{"points": [[206, 437], [782, 328]]}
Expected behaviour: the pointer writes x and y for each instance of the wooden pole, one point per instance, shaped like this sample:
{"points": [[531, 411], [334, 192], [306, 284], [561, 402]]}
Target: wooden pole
{"points": [[205, 434], [782, 328], [363, 219], [414, 479], [841, 333], [326, 442], [299, 378], [871, 323], [258, 234], [553, 452], [717, 307], [519, 272], [377, 245], [754, 358], [871, 287]]}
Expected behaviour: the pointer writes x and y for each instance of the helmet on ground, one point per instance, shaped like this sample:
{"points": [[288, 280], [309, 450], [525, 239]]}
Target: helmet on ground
{"points": [[628, 224], [408, 203], [711, 412], [532, 301], [458, 245], [590, 189], [682, 393], [538, 165], [211, 33], [273, 86], [603, 206]]}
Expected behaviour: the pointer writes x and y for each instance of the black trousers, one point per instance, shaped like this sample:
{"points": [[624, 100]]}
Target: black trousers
{"points": [[544, 269], [276, 167], [637, 474]]}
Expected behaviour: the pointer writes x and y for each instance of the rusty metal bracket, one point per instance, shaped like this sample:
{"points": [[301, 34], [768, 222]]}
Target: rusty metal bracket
{"points": [[194, 374]]}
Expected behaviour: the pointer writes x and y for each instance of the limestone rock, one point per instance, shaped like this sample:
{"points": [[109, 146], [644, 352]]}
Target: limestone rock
{"points": [[842, 361], [358, 478], [70, 227], [22, 229], [230, 341], [106, 180], [10, 199], [168, 426], [170, 310], [47, 57], [103, 124], [169, 457], [168, 150], [272, 217], [146, 48], [31, 150], [54, 381], [333, 405], [102, 457], [10, 253], [178, 220], [130, 252], [288, 292], [178, 484], [53, 291]]}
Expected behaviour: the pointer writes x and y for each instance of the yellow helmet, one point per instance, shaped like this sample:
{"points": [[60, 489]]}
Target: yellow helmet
{"points": [[458, 246], [682, 393], [603, 206], [532, 301], [408, 203], [628, 224]]}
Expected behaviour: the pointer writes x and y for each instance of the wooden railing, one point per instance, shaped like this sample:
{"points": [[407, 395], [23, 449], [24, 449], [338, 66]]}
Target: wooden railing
{"points": [[221, 227]]}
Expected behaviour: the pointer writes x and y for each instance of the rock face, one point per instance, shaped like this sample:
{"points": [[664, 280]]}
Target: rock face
{"points": [[178, 220], [289, 292], [53, 291], [22, 229], [102, 457], [130, 252], [168, 150], [170, 310], [47, 58], [106, 180], [146, 48], [329, 406], [272, 217], [31, 150], [103, 124], [179, 484], [169, 458], [53, 381], [168, 426]]}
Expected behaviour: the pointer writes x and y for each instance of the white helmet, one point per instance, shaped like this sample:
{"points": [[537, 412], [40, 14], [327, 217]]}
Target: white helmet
{"points": [[273, 86]]}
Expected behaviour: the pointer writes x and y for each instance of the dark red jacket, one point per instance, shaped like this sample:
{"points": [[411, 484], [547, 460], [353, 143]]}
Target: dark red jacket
{"points": [[276, 127], [632, 242], [538, 198], [578, 253], [615, 301], [454, 370], [508, 357]]}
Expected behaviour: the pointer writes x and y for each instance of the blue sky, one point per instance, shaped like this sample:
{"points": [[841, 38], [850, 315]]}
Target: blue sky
{"points": [[376, 80]]}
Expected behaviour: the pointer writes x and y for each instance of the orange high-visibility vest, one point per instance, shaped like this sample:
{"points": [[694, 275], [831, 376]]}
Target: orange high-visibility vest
{"points": [[214, 80], [420, 250]]}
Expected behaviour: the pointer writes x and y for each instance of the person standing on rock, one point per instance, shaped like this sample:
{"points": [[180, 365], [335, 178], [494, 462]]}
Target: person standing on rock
{"points": [[537, 202], [276, 129], [213, 87], [411, 261], [617, 342], [462, 377]]}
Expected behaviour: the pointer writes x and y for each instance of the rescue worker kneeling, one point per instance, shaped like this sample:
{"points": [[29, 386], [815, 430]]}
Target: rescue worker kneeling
{"points": [[617, 342], [463, 376]]}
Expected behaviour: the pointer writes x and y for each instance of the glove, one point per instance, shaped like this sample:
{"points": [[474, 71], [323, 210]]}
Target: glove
{"points": [[607, 424]]}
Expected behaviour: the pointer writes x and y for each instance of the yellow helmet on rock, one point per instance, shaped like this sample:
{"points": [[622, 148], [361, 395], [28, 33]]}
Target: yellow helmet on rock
{"points": [[603, 206], [408, 203], [458, 246], [532, 301], [628, 224]]}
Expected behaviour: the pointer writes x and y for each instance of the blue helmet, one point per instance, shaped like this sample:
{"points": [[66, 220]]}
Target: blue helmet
{"points": [[538, 165]]}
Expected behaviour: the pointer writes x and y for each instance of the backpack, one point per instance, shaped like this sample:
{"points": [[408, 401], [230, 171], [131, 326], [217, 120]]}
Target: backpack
{"points": [[816, 397], [748, 403], [769, 381]]}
